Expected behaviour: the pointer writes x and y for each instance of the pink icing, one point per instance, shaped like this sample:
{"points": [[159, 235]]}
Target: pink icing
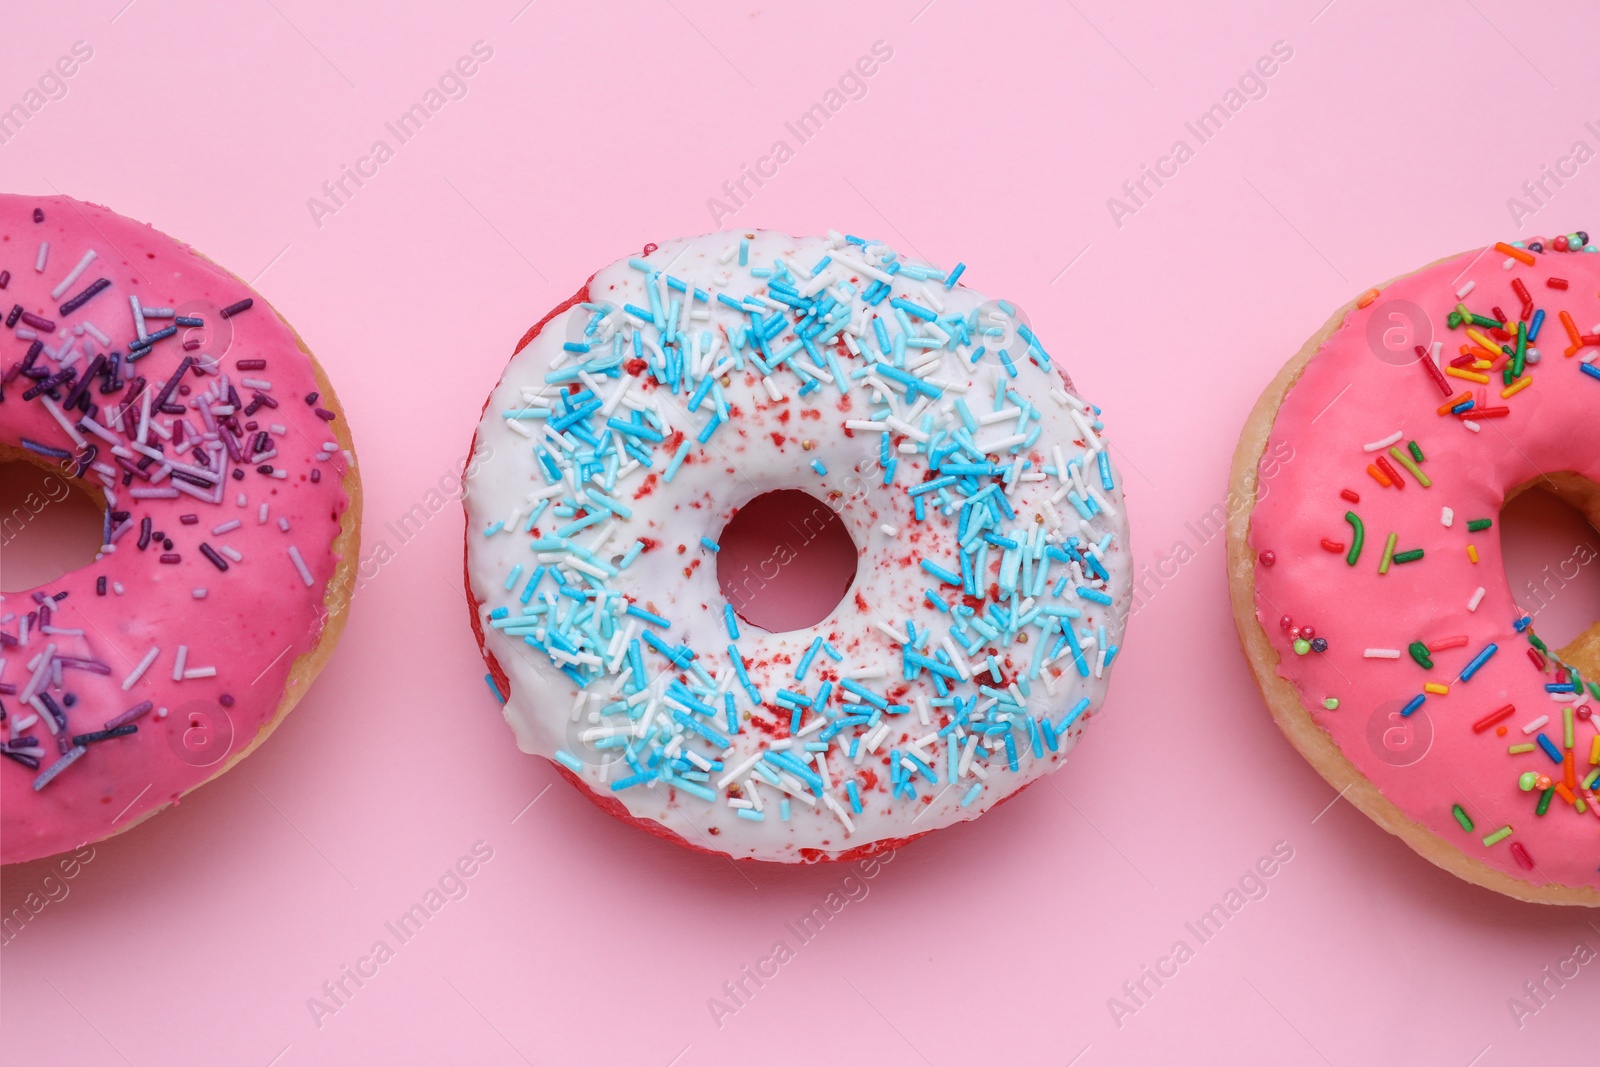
{"points": [[1360, 388], [256, 618]]}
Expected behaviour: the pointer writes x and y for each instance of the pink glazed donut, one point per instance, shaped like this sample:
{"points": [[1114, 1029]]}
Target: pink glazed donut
{"points": [[143, 374], [1366, 569]]}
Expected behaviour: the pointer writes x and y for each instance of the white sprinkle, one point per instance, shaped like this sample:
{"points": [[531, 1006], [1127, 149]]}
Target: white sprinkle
{"points": [[1379, 446], [66, 423], [889, 530], [39, 673], [199, 594], [283, 524], [94, 331], [1469, 424], [178, 662], [1508, 264], [138, 316], [261, 516], [305, 572], [256, 383], [1477, 598], [231, 552], [200, 672], [1461, 293], [1382, 653], [1447, 516], [222, 528], [1533, 726], [44, 256], [72, 275]]}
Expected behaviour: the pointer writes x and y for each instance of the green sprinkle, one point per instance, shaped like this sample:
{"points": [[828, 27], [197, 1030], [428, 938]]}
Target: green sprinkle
{"points": [[1409, 464], [1416, 451], [1301, 646], [1533, 639], [1453, 319], [1332, 703], [1479, 524], [1388, 554], [1544, 801], [1419, 652], [1527, 780], [1567, 723], [1497, 837], [1410, 556], [1358, 538], [1462, 817]]}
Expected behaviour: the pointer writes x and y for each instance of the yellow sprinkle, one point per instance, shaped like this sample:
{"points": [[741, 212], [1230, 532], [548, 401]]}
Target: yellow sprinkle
{"points": [[1436, 688], [1594, 752], [1517, 386], [1482, 364], [1469, 375], [1492, 346], [1472, 553], [1517, 750]]}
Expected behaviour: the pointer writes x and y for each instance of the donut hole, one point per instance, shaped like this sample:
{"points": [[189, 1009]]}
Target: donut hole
{"points": [[50, 524], [1552, 559], [786, 561]]}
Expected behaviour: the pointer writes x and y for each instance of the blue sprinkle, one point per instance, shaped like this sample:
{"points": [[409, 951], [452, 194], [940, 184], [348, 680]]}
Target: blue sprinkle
{"points": [[818, 466], [971, 794], [495, 689], [730, 620], [1477, 662], [1415, 703], [710, 544], [1549, 748], [950, 281]]}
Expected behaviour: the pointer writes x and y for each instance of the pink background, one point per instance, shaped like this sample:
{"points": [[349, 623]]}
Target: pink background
{"points": [[992, 136]]}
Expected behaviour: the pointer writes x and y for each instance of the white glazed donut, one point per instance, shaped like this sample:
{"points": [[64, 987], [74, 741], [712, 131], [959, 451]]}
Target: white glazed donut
{"points": [[992, 585]]}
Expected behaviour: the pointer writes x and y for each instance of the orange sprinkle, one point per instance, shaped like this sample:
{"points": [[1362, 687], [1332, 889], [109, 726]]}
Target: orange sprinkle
{"points": [[1564, 792], [1460, 399], [1372, 294], [1382, 478], [1472, 553], [1569, 773], [1572, 331], [1525, 258]]}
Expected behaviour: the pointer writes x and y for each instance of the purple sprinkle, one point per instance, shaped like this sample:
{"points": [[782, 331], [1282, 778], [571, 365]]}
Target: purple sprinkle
{"points": [[210, 553], [226, 700], [325, 415], [129, 715], [316, 475], [171, 557], [311, 398], [37, 322], [233, 309], [243, 364], [189, 520], [145, 526], [16, 313], [98, 286], [23, 742], [100, 586], [30, 762], [38, 215], [53, 708], [5, 278]]}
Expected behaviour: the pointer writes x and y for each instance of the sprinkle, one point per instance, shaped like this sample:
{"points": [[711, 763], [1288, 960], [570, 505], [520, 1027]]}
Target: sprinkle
{"points": [[1358, 537], [710, 545], [1475, 525], [235, 308], [1382, 653], [1497, 837], [1413, 704], [1549, 748], [1477, 598], [1493, 717], [1388, 553], [1447, 517], [58, 766], [144, 665], [1379, 446], [1478, 661], [1411, 465], [1526, 259], [300, 565]]}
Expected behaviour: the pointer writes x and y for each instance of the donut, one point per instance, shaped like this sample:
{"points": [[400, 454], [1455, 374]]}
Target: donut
{"points": [[638, 417], [137, 371], [1366, 570]]}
